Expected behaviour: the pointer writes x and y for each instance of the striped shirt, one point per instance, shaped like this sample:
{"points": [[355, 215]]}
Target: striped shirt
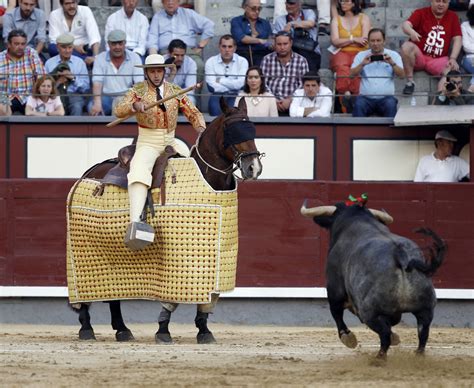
{"points": [[283, 80], [17, 76]]}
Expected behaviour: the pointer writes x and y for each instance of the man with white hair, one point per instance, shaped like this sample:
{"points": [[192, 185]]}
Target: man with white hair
{"points": [[175, 22], [442, 165]]}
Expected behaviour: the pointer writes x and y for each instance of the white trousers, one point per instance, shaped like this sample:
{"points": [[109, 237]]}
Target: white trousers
{"points": [[150, 144]]}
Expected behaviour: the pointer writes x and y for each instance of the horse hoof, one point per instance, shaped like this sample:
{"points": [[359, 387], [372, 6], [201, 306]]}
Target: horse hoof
{"points": [[381, 355], [86, 335], [349, 339], [163, 338], [420, 352], [124, 336], [394, 339], [205, 338]]}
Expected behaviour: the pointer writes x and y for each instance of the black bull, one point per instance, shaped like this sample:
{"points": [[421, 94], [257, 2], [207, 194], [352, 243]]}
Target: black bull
{"points": [[376, 274]]}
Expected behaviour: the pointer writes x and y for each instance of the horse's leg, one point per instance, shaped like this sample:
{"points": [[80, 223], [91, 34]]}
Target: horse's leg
{"points": [[85, 332], [123, 333], [204, 335], [163, 335]]}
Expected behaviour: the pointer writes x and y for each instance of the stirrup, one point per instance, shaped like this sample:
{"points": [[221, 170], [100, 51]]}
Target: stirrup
{"points": [[139, 235]]}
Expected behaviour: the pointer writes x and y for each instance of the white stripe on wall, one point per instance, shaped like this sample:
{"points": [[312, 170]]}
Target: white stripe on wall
{"points": [[239, 292]]}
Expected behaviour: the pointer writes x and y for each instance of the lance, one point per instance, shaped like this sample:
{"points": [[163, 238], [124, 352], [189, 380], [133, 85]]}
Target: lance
{"points": [[159, 102]]}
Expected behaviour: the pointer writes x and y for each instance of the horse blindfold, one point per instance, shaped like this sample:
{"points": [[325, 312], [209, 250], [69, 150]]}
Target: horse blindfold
{"points": [[238, 132]]}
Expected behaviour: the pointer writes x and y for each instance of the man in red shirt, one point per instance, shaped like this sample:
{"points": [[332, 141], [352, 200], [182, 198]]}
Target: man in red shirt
{"points": [[431, 31]]}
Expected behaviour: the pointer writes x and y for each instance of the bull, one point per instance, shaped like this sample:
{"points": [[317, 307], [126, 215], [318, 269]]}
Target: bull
{"points": [[376, 274]]}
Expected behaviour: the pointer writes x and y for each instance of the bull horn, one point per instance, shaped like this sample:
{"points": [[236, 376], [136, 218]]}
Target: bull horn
{"points": [[382, 216], [316, 211]]}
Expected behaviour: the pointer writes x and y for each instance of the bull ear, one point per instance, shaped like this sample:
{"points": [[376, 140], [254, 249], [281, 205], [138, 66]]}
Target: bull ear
{"points": [[242, 105], [224, 106]]}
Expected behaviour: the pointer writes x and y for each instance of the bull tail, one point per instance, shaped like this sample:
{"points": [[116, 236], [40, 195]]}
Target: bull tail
{"points": [[436, 254]]}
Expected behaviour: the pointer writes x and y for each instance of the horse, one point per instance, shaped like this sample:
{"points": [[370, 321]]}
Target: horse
{"points": [[226, 145]]}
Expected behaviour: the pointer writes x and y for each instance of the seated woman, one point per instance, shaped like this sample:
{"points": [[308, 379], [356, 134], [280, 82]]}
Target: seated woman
{"points": [[260, 102], [467, 28], [349, 30], [44, 101], [252, 33]]}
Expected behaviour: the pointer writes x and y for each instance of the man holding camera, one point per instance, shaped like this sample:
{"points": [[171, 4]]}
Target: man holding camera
{"points": [[71, 75], [378, 66], [451, 92], [184, 71]]}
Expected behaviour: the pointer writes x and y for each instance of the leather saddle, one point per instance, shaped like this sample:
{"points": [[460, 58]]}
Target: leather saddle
{"points": [[117, 175]]}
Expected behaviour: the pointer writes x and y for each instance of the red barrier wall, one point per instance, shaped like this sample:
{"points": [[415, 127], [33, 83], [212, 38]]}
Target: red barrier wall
{"points": [[278, 247]]}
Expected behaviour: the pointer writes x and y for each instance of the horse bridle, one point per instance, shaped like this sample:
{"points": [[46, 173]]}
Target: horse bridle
{"points": [[238, 156]]}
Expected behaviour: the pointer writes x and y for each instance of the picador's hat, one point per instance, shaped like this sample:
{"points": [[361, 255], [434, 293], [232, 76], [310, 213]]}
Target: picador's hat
{"points": [[155, 60]]}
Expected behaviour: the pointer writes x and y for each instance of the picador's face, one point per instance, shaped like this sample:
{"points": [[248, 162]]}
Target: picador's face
{"points": [[155, 75]]}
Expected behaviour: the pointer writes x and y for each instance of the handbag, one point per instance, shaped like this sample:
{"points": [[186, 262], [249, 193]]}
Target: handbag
{"points": [[302, 40]]}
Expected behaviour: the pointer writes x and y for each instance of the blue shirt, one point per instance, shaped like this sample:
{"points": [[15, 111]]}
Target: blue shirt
{"points": [[113, 80], [240, 27], [186, 75], [184, 24], [34, 26], [377, 77], [78, 67]]}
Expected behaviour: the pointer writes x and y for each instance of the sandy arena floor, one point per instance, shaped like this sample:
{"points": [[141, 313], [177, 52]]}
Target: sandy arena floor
{"points": [[52, 356]]}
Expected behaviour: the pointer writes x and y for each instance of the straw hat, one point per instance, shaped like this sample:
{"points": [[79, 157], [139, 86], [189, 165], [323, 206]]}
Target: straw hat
{"points": [[155, 60]]}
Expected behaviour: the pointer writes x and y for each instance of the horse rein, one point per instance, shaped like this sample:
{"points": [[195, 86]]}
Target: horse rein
{"points": [[238, 156], [227, 171]]}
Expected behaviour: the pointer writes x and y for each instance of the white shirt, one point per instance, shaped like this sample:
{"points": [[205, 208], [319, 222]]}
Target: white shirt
{"points": [[467, 38], [135, 27], [231, 76], [451, 169], [84, 27], [322, 102]]}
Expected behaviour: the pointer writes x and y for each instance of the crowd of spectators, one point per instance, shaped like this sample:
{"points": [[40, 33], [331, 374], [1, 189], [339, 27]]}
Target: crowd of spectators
{"points": [[282, 57]]}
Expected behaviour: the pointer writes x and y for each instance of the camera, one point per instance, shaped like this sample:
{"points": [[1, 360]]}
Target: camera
{"points": [[59, 69], [378, 57], [450, 87], [170, 60]]}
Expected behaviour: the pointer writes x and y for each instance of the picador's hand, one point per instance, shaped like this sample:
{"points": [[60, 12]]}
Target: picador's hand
{"points": [[139, 107]]}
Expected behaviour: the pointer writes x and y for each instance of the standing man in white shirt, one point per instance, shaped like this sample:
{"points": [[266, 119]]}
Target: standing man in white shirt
{"points": [[225, 74], [442, 165], [79, 21], [133, 22], [313, 99]]}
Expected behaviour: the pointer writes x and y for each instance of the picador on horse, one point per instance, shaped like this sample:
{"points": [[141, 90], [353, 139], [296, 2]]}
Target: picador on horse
{"points": [[171, 269]]}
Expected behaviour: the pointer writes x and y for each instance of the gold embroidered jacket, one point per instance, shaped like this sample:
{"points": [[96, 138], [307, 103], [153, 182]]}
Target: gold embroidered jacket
{"points": [[155, 117]]}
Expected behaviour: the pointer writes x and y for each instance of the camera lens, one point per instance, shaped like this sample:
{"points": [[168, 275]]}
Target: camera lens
{"points": [[450, 86]]}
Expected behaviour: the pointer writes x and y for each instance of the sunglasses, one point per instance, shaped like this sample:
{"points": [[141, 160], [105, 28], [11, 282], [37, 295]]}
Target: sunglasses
{"points": [[255, 8]]}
